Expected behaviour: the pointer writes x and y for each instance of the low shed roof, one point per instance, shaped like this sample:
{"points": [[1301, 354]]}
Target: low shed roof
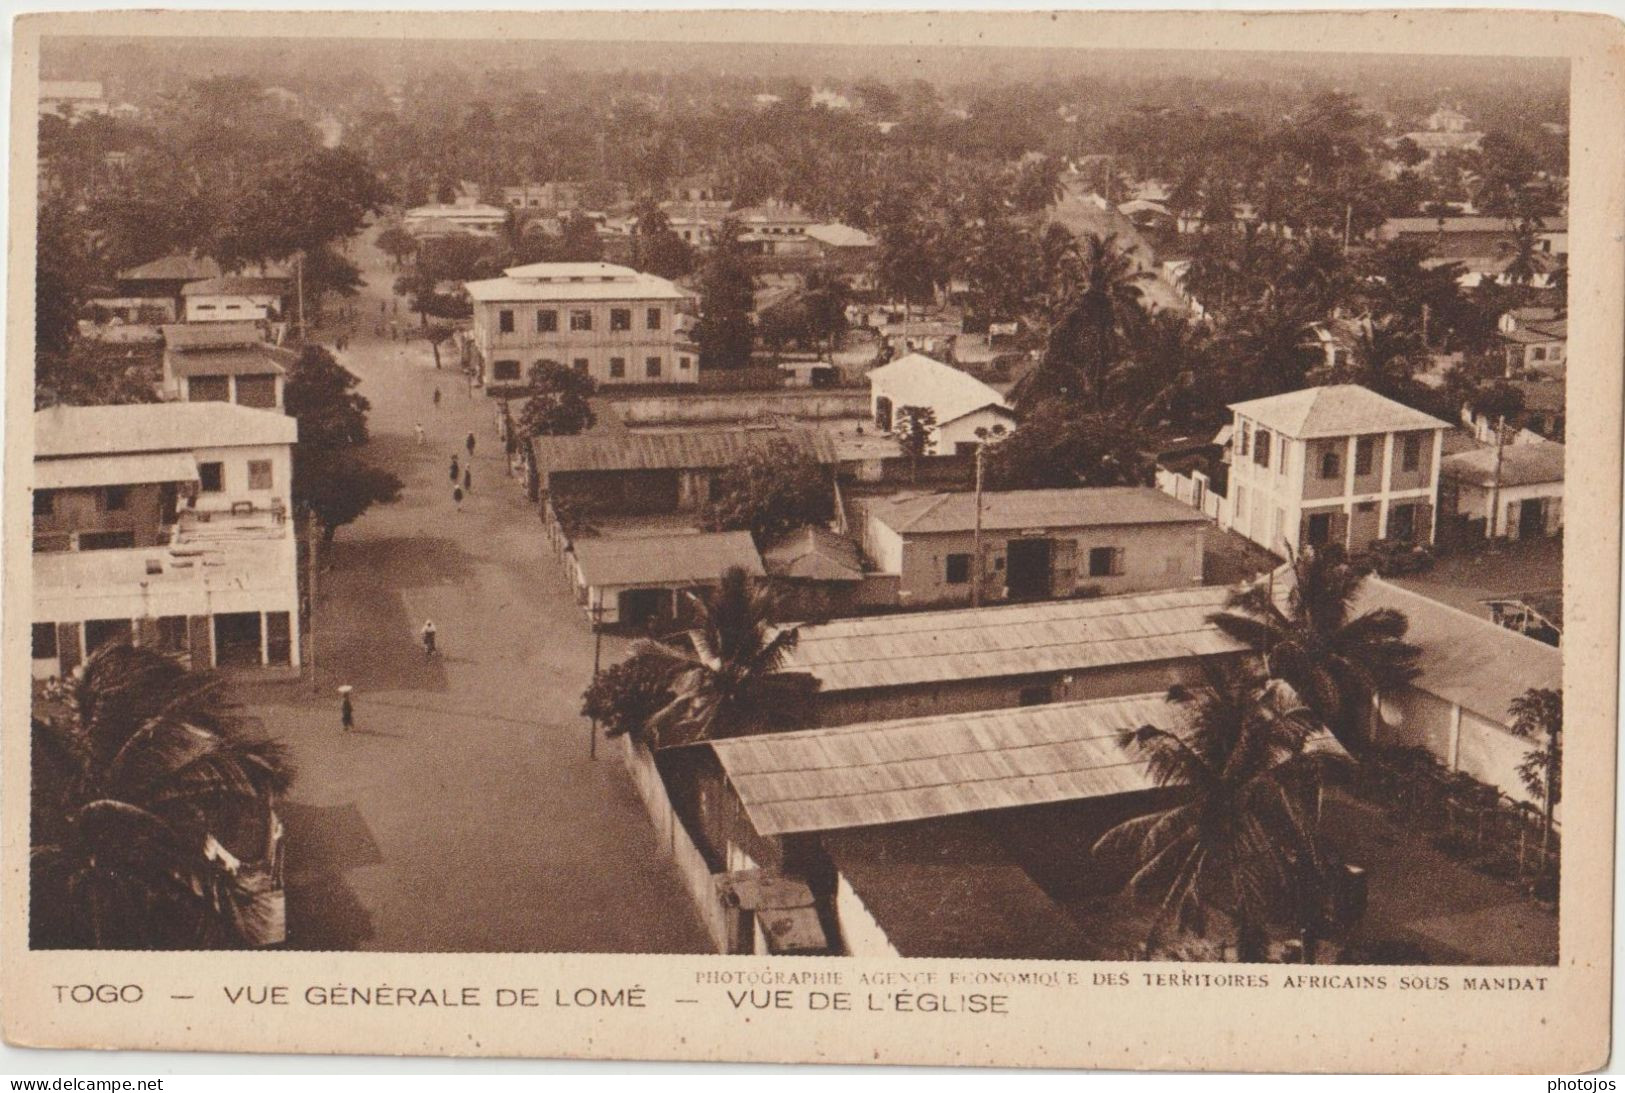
{"points": [[1013, 509], [665, 559], [937, 646], [706, 449], [885, 772], [1530, 464]]}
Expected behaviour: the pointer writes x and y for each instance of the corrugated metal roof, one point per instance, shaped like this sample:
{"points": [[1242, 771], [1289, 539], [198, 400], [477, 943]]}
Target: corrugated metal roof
{"points": [[1467, 660], [156, 427], [1431, 225], [1521, 465], [1010, 509], [705, 449], [814, 554], [841, 235], [917, 380], [237, 286], [935, 646], [1338, 410], [115, 470], [887, 772], [226, 362], [665, 559], [185, 336], [174, 267]]}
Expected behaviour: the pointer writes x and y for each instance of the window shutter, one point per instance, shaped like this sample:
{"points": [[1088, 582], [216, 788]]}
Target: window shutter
{"points": [[146, 632], [1117, 561], [67, 646], [202, 643], [1064, 568]]}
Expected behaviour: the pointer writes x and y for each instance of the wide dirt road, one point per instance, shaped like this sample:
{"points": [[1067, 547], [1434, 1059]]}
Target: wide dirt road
{"points": [[464, 813]]}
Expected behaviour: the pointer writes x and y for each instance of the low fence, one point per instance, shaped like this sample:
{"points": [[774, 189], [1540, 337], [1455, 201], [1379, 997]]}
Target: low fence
{"points": [[1193, 490], [677, 845]]}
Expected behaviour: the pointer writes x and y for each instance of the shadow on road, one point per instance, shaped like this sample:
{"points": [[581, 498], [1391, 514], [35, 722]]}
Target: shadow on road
{"points": [[323, 844]]}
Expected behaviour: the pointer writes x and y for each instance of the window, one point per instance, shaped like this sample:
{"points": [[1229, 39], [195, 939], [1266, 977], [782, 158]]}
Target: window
{"points": [[684, 363], [959, 569], [1365, 451], [100, 632], [617, 368], [257, 391], [1402, 522], [106, 540], [620, 318], [1413, 451], [505, 370], [208, 389], [1539, 352], [580, 320], [1246, 437], [547, 321], [653, 318], [211, 477], [1280, 463], [44, 503], [505, 321], [1330, 465], [580, 364], [1037, 695], [1105, 562], [259, 474], [115, 498], [651, 367], [172, 633], [1320, 528], [43, 639], [1261, 448]]}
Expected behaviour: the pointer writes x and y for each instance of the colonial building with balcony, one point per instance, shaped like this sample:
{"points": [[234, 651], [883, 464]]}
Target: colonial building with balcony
{"points": [[609, 322], [164, 525]]}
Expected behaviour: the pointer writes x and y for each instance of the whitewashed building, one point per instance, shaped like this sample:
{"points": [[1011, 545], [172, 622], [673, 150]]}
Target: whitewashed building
{"points": [[961, 403], [165, 525], [606, 321], [235, 299], [1337, 464]]}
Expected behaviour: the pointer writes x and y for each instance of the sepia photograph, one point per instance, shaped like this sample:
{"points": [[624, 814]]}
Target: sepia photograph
{"points": [[499, 494]]}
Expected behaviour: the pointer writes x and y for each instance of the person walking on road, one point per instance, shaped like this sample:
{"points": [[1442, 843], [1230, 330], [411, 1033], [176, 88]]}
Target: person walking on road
{"points": [[418, 428], [454, 470], [346, 713], [471, 445], [457, 497], [428, 639], [437, 398], [468, 480]]}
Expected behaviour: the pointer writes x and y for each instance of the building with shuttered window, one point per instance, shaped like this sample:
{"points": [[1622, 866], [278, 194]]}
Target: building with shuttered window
{"points": [[1337, 464], [164, 525]]}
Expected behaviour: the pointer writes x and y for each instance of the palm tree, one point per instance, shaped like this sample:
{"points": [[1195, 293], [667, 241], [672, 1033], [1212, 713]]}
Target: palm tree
{"points": [[1338, 661], [1098, 316], [732, 682], [1386, 353], [1537, 715], [142, 775], [1238, 836]]}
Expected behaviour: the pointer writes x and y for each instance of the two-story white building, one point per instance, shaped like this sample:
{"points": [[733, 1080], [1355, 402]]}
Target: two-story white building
{"points": [[223, 362], [606, 321], [1337, 464], [164, 525], [235, 299]]}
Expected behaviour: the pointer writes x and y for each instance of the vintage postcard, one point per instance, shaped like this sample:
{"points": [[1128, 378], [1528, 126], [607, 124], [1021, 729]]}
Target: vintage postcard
{"points": [[1043, 539]]}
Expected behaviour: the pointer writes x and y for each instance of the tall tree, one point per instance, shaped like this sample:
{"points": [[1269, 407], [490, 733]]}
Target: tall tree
{"points": [[771, 490], [1100, 316], [727, 296], [1339, 662], [1239, 834], [136, 770], [731, 681], [1537, 715], [558, 404]]}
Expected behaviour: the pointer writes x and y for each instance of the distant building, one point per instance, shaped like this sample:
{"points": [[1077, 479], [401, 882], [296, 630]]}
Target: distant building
{"points": [[844, 249], [1477, 237], [72, 98], [166, 525], [1036, 544], [1544, 415], [1524, 482], [961, 402], [775, 231], [223, 362], [158, 283], [1336, 464], [463, 217], [646, 473], [1538, 615], [609, 322], [236, 299], [1535, 339], [919, 663], [639, 580]]}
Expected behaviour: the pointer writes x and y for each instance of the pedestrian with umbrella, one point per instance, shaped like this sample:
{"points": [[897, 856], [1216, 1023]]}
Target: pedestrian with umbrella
{"points": [[471, 445]]}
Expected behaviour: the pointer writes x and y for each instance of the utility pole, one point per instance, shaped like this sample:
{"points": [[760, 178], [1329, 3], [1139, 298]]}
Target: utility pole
{"points": [[1348, 225], [299, 277], [597, 652], [1495, 482], [310, 631], [976, 535]]}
